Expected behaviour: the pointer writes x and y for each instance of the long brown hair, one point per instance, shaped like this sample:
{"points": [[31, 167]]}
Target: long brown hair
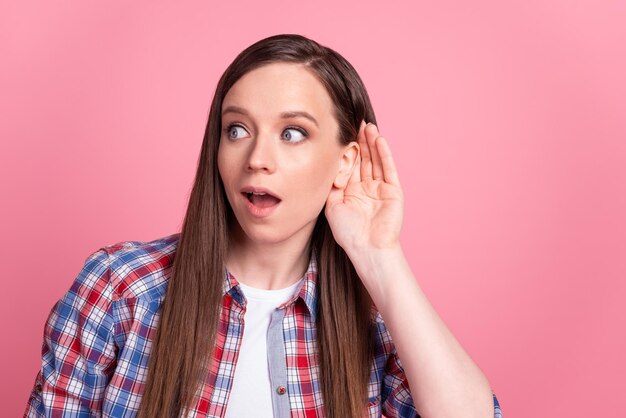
{"points": [[186, 331]]}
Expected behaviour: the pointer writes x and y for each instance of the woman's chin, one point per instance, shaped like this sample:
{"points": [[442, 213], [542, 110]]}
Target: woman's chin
{"points": [[280, 231], [272, 234]]}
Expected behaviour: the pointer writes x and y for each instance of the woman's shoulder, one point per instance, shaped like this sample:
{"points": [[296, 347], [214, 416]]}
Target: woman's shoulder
{"points": [[375, 316], [382, 337], [136, 269]]}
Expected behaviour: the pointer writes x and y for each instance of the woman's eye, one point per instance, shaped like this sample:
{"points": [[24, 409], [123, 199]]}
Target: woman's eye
{"points": [[291, 133], [232, 129]]}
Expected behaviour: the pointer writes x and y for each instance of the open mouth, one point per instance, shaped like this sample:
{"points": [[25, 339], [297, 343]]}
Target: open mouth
{"points": [[261, 200]]}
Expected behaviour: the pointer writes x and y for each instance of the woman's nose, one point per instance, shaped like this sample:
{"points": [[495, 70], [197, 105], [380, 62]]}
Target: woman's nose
{"points": [[262, 153]]}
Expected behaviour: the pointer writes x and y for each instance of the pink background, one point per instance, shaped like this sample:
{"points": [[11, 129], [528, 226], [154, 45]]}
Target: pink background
{"points": [[507, 122]]}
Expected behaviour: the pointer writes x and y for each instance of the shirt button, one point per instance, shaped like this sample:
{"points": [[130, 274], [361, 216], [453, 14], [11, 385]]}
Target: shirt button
{"points": [[281, 390]]}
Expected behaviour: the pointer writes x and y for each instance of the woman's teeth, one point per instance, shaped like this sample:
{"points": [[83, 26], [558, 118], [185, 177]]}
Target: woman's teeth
{"points": [[262, 200], [252, 193]]}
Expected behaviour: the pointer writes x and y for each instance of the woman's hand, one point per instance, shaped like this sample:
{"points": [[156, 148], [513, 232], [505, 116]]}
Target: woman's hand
{"points": [[367, 213]]}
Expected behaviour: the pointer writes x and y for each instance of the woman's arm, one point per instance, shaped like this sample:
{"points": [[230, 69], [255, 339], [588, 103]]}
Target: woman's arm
{"points": [[365, 212], [444, 380], [78, 352]]}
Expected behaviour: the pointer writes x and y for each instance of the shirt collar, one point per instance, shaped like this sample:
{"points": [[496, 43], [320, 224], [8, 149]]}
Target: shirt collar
{"points": [[306, 291]]}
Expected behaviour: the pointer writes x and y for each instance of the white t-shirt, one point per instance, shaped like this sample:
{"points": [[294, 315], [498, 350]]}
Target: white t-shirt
{"points": [[251, 393]]}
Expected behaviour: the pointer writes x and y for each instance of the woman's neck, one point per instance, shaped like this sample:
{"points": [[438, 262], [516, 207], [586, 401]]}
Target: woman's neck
{"points": [[268, 266]]}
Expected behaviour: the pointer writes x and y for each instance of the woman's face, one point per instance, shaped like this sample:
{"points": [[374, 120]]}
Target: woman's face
{"points": [[267, 143]]}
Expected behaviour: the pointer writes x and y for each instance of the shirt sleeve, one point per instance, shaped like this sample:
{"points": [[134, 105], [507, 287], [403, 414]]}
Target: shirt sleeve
{"points": [[78, 351], [398, 402]]}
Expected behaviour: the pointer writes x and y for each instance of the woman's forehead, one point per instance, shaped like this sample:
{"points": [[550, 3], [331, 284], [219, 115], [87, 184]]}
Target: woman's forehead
{"points": [[278, 88]]}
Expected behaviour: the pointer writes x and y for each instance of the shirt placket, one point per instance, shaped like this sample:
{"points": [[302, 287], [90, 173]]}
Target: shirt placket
{"points": [[277, 365]]}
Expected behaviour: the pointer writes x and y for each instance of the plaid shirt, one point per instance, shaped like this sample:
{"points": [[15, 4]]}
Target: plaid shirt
{"points": [[98, 338]]}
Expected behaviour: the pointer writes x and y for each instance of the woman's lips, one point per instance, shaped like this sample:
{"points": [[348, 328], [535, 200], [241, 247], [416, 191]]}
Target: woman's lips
{"points": [[260, 206], [259, 190], [262, 200]]}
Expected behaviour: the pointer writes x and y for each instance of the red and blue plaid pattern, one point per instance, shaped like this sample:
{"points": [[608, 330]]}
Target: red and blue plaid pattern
{"points": [[98, 338]]}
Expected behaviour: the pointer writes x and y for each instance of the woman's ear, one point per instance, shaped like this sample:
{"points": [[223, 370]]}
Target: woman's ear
{"points": [[347, 164]]}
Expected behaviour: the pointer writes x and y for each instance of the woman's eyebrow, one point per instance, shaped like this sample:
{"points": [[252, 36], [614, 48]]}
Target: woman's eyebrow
{"points": [[284, 115]]}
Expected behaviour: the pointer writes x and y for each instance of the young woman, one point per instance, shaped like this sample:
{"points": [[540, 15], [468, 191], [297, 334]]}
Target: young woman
{"points": [[270, 301]]}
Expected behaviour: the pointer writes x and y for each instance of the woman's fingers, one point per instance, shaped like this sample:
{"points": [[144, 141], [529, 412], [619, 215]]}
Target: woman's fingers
{"points": [[371, 133], [389, 167], [366, 162], [376, 162]]}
